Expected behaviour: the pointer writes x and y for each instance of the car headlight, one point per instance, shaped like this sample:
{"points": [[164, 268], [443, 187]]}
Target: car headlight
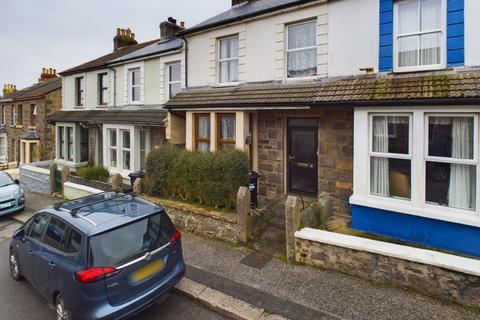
{"points": [[17, 192]]}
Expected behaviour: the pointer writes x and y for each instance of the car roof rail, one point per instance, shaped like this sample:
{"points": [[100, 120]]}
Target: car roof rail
{"points": [[74, 209]]}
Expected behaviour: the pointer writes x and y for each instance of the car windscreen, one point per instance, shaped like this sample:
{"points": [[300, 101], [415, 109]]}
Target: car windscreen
{"points": [[5, 180], [131, 241]]}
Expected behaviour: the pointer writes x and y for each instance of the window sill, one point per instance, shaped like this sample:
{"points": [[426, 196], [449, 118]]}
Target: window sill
{"points": [[452, 215], [299, 79], [70, 164], [419, 69], [79, 107], [18, 127], [227, 84]]}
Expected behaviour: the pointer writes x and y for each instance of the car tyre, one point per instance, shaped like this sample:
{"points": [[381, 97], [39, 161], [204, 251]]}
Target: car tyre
{"points": [[14, 268], [63, 313]]}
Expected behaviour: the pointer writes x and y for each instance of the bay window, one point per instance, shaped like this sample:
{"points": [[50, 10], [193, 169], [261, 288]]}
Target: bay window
{"points": [[228, 60], [419, 34], [302, 49], [226, 131], [125, 149], [69, 143], [112, 147], [143, 148], [61, 142], [420, 162], [202, 132], [3, 148], [83, 144]]}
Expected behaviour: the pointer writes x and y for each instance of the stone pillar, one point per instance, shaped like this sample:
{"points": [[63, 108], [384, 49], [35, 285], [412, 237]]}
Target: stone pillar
{"points": [[117, 183], [65, 174], [138, 185], [53, 170], [244, 215], [292, 224]]}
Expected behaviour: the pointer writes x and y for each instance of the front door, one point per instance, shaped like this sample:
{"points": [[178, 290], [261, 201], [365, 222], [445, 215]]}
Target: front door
{"points": [[302, 156]]}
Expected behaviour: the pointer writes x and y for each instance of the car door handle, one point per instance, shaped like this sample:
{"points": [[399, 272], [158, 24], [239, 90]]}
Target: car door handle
{"points": [[30, 253], [51, 265]]}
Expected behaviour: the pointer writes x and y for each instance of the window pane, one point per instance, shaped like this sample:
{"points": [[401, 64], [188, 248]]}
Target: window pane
{"points": [[55, 233], [452, 185], [70, 143], [229, 71], [408, 17], [135, 76], [126, 139], [302, 63], [203, 127], [229, 48], [390, 177], [408, 51], [431, 14], [74, 242], [113, 158], [126, 160], [390, 134], [83, 144], [227, 127], [227, 146], [303, 35], [135, 93], [113, 137], [61, 144], [37, 226], [175, 74], [430, 49], [451, 137], [203, 146]]}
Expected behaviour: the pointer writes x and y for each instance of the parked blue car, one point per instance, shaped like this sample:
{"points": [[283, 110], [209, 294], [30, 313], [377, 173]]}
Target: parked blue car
{"points": [[12, 198], [105, 256]]}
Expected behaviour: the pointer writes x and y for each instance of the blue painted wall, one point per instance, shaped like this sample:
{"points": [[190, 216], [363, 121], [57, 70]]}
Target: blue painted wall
{"points": [[435, 233], [385, 63], [455, 34]]}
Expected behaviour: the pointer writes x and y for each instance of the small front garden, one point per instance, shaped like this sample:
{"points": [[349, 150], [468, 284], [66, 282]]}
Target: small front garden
{"points": [[209, 179]]}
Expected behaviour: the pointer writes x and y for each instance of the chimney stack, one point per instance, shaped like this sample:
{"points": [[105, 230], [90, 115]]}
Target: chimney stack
{"points": [[170, 27], [47, 73], [123, 38], [8, 89]]}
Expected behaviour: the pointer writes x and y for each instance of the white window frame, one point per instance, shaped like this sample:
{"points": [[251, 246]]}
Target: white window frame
{"points": [[396, 36], [125, 149], [76, 145], [287, 50], [417, 205], [4, 147], [147, 133], [4, 114], [134, 145], [82, 93], [169, 81], [100, 90], [128, 88], [220, 60], [388, 155], [111, 148]]}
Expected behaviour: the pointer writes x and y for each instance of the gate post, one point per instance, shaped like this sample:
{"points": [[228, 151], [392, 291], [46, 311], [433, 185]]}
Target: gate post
{"points": [[244, 216], [292, 224], [53, 177]]}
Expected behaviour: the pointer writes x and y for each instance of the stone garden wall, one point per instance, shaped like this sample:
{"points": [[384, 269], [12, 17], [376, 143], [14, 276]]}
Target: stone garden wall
{"points": [[447, 277], [34, 178]]}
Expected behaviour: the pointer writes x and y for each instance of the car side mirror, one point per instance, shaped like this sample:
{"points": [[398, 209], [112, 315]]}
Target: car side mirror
{"points": [[19, 234], [16, 181]]}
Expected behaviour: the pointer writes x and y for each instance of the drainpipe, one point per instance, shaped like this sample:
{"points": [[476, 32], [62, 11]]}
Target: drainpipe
{"points": [[114, 86], [186, 61]]}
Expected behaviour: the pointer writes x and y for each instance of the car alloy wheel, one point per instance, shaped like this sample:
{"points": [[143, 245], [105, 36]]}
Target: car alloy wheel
{"points": [[62, 310], [14, 271]]}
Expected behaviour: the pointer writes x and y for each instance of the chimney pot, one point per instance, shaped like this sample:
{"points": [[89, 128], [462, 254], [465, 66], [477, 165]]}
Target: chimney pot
{"points": [[124, 38], [169, 28]]}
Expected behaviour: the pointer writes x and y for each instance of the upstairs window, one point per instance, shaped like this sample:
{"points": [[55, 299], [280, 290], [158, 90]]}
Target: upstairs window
{"points": [[174, 79], [19, 115], [102, 89], [79, 91], [228, 60], [302, 50], [3, 114], [13, 120], [419, 34], [134, 85], [33, 114]]}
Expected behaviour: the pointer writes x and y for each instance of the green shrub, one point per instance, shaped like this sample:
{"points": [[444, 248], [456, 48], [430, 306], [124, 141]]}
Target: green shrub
{"points": [[210, 179], [98, 173]]}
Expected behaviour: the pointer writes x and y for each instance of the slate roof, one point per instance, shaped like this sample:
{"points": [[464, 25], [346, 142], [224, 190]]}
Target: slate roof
{"points": [[244, 11], [101, 62], [152, 49], [35, 91], [153, 117], [31, 134], [445, 88]]}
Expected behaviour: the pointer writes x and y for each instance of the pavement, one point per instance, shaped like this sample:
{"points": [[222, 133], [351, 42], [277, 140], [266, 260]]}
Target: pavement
{"points": [[225, 281]]}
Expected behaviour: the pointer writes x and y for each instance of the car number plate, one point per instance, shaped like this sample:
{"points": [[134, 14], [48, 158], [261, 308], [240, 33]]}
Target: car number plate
{"points": [[148, 270], [5, 205]]}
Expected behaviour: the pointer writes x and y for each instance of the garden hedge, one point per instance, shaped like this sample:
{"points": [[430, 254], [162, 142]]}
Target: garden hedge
{"points": [[210, 178]]}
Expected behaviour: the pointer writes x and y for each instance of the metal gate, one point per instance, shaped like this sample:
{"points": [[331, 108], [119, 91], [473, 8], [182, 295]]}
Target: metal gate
{"points": [[58, 181]]}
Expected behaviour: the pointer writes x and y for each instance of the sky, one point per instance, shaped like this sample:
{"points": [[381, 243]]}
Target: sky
{"points": [[64, 33]]}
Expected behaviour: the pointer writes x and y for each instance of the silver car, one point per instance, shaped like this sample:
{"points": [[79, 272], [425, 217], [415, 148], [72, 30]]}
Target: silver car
{"points": [[12, 198]]}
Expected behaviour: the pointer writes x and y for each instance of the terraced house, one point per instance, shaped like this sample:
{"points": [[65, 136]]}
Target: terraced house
{"points": [[375, 102], [25, 137], [112, 113]]}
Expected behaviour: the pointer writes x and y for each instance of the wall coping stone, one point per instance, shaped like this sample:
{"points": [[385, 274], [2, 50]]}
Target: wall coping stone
{"points": [[32, 168], [224, 216], [77, 186], [429, 257]]}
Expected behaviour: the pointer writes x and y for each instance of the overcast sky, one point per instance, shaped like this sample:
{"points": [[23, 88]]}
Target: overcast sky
{"points": [[64, 33]]}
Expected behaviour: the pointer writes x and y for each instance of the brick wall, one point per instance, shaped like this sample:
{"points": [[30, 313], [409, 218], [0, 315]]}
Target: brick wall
{"points": [[335, 148]]}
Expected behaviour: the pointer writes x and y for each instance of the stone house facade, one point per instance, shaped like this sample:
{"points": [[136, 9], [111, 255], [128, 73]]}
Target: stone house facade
{"points": [[29, 138]]}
